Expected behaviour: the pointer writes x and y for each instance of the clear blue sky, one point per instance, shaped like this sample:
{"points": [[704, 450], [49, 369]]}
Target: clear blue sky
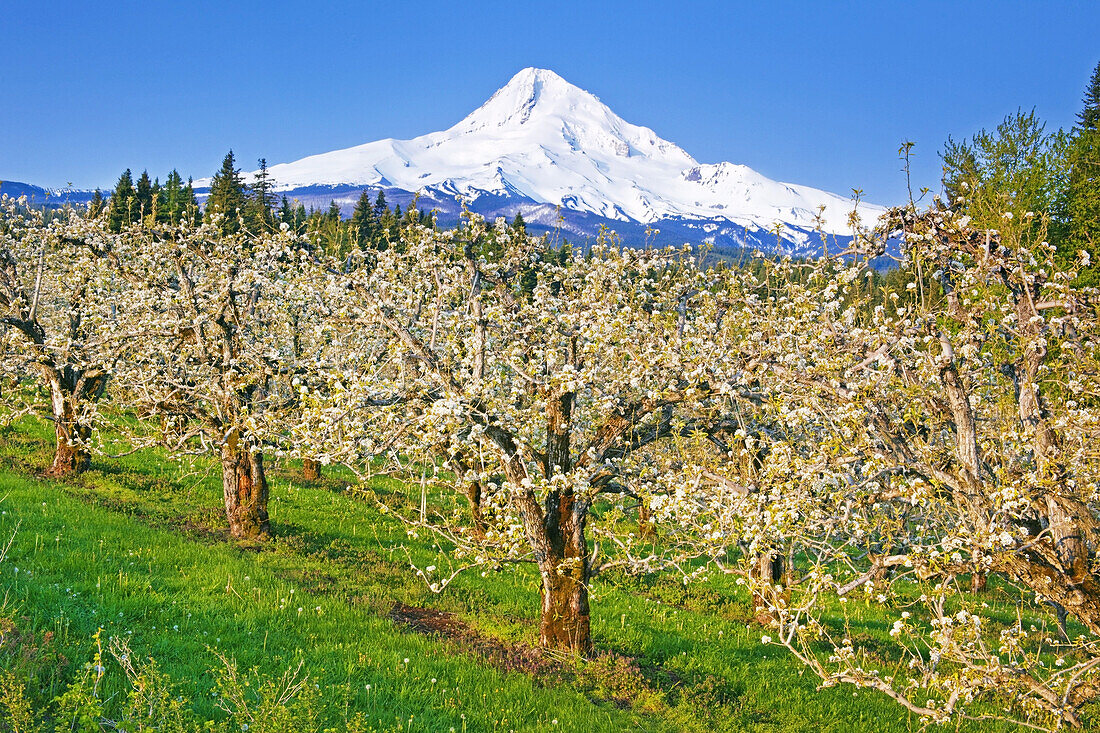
{"points": [[819, 93]]}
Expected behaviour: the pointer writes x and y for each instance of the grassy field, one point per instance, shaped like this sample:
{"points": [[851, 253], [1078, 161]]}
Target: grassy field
{"points": [[136, 547]]}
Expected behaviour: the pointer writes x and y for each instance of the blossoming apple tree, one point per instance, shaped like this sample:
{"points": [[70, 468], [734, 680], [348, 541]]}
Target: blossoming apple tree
{"points": [[550, 382], [936, 455], [223, 322], [63, 320]]}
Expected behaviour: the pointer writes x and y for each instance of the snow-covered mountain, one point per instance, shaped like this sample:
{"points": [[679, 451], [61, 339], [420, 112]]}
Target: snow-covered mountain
{"points": [[540, 142], [50, 198]]}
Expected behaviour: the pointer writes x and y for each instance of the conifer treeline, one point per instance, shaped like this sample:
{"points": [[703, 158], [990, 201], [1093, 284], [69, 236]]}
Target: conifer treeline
{"points": [[253, 207], [148, 201]]}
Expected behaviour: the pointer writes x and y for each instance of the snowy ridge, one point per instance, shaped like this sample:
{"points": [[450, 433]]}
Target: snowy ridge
{"points": [[541, 140]]}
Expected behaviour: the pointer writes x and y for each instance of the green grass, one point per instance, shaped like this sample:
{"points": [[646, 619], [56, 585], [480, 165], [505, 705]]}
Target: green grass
{"points": [[137, 546]]}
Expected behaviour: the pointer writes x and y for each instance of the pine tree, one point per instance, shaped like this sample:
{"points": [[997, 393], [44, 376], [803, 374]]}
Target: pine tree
{"points": [[286, 214], [1078, 210], [121, 210], [154, 214], [173, 209], [364, 223], [1089, 116], [190, 211], [227, 195], [333, 213], [96, 205], [387, 225], [518, 224], [143, 195], [381, 208], [1013, 168], [262, 199]]}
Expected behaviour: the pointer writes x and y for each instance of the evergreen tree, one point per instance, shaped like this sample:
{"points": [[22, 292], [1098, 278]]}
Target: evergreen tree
{"points": [[364, 223], [387, 225], [96, 205], [380, 206], [143, 195], [1078, 211], [518, 224], [157, 198], [262, 199], [227, 195], [333, 213], [191, 210], [172, 210], [565, 253], [121, 210], [1006, 175], [1089, 116], [285, 214], [395, 227]]}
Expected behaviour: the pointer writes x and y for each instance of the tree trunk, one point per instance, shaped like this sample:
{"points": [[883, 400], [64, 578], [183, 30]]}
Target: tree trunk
{"points": [[474, 492], [1065, 550], [647, 532], [70, 449], [311, 469], [565, 566], [565, 624], [768, 571], [245, 488], [565, 569], [70, 454], [477, 520]]}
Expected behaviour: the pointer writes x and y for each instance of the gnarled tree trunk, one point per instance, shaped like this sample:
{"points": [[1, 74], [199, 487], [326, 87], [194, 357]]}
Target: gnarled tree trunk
{"points": [[245, 488], [477, 520], [69, 389], [768, 570], [70, 452], [474, 493], [565, 624], [556, 533], [565, 566], [1059, 563], [311, 469]]}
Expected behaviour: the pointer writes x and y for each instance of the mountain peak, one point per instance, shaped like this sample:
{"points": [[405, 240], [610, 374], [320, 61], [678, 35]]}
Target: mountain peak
{"points": [[531, 94], [541, 140], [535, 74]]}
